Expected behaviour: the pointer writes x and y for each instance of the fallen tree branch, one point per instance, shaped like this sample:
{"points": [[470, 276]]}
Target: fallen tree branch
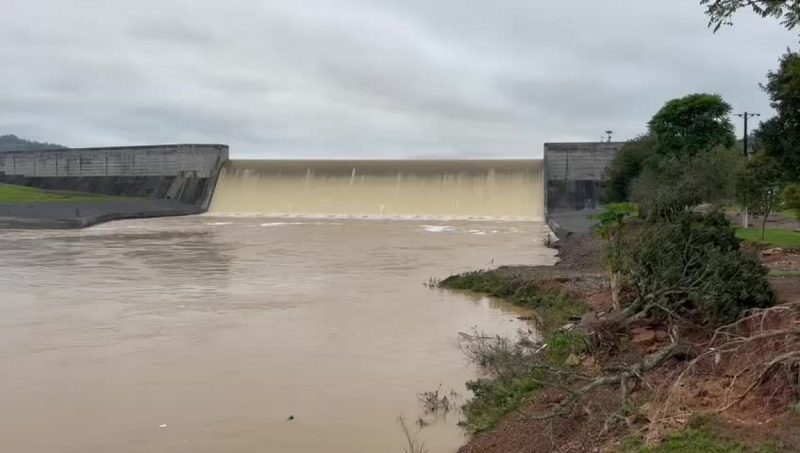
{"points": [[621, 379]]}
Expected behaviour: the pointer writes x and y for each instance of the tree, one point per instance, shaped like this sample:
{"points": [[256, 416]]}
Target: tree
{"points": [[720, 12], [673, 185], [780, 136], [791, 199], [693, 124], [759, 186], [627, 165]]}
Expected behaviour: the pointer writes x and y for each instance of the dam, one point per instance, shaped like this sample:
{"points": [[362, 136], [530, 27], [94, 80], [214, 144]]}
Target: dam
{"points": [[185, 173], [201, 177], [499, 189]]}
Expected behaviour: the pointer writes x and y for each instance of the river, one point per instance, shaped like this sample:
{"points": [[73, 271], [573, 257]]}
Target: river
{"points": [[208, 333]]}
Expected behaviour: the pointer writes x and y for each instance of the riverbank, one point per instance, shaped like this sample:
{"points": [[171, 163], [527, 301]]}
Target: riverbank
{"points": [[30, 208], [60, 215], [506, 418]]}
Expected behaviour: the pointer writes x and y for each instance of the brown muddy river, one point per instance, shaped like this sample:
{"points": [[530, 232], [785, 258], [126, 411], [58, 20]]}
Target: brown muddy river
{"points": [[204, 334]]}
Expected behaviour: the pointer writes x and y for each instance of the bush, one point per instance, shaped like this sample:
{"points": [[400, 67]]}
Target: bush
{"points": [[692, 267]]}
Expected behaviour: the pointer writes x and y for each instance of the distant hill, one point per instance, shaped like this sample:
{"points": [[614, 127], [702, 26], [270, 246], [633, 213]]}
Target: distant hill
{"points": [[14, 143]]}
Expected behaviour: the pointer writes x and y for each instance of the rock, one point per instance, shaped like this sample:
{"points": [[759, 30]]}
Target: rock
{"points": [[643, 336], [772, 251], [661, 335]]}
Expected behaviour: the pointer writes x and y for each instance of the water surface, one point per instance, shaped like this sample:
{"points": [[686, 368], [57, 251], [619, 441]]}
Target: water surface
{"points": [[203, 334]]}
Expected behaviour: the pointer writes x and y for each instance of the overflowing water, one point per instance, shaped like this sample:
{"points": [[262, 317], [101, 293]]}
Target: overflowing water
{"points": [[498, 189]]}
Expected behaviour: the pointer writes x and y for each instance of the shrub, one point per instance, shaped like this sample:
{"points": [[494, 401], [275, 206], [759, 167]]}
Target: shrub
{"points": [[692, 267]]}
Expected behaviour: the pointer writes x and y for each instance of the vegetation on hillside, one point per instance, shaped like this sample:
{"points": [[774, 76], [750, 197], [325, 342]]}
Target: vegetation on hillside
{"points": [[14, 143]]}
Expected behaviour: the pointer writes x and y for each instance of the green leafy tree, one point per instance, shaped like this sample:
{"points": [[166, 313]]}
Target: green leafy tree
{"points": [[693, 124], [627, 165], [674, 184], [759, 186], [779, 136], [720, 12], [791, 199]]}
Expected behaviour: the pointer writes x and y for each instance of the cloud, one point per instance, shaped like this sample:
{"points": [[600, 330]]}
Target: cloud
{"points": [[366, 78]]}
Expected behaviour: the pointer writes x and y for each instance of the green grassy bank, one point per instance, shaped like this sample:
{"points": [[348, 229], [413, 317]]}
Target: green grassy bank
{"points": [[516, 383], [772, 237], [11, 194]]}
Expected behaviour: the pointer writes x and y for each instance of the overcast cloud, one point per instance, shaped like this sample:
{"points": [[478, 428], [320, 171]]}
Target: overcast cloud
{"points": [[366, 78]]}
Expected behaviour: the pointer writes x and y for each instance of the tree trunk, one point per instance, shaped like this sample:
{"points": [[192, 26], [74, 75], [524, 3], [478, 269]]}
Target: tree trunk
{"points": [[764, 224], [615, 289]]}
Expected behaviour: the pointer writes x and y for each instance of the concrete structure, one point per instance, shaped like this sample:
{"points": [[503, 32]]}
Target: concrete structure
{"points": [[184, 173], [576, 174]]}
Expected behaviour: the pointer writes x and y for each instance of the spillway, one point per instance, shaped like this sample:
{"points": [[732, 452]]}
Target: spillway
{"points": [[462, 189]]}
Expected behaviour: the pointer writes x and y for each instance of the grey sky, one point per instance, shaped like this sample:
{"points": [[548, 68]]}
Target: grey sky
{"points": [[366, 78]]}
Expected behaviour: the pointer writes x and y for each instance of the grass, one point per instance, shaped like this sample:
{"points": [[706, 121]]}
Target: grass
{"points": [[701, 436], [493, 399], [511, 389], [554, 308], [699, 441], [11, 194], [772, 237], [786, 274]]}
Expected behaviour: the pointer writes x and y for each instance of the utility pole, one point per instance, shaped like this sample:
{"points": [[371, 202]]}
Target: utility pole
{"points": [[746, 116]]}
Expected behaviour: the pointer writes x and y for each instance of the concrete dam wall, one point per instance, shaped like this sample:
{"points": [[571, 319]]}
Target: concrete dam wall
{"points": [[577, 174], [506, 189], [572, 176], [184, 173]]}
